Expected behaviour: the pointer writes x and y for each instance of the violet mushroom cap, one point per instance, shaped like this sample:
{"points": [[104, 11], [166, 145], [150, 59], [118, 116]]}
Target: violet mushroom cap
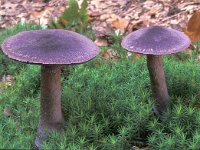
{"points": [[155, 41], [50, 48], [54, 46]]}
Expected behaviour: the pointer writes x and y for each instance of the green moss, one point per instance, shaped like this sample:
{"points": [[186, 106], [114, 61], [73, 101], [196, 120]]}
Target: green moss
{"points": [[109, 106]]}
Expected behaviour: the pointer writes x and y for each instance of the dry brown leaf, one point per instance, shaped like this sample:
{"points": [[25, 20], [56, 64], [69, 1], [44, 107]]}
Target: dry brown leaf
{"points": [[110, 54], [120, 24], [146, 19], [154, 11], [106, 55], [193, 28], [136, 56], [104, 17], [100, 41], [103, 30], [36, 14]]}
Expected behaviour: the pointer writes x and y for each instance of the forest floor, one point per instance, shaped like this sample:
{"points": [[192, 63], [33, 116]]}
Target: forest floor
{"points": [[106, 16]]}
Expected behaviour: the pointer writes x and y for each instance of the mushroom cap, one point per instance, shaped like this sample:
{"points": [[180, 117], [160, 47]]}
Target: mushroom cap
{"points": [[53, 46], [156, 40]]}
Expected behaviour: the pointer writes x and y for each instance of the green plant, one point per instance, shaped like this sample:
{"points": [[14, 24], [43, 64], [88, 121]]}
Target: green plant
{"points": [[73, 18]]}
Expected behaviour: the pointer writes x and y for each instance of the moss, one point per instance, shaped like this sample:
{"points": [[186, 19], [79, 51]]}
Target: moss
{"points": [[106, 106]]}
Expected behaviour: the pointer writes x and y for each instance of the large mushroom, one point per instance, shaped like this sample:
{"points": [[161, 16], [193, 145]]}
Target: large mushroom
{"points": [[155, 41], [50, 49]]}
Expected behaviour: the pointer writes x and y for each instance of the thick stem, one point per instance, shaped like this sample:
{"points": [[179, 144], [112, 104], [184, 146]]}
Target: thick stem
{"points": [[51, 118], [159, 87]]}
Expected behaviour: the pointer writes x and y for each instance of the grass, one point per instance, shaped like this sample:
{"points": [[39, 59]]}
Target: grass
{"points": [[106, 106]]}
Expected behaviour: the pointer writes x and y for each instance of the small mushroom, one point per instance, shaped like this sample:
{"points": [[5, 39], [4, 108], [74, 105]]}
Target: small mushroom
{"points": [[50, 49], [155, 41]]}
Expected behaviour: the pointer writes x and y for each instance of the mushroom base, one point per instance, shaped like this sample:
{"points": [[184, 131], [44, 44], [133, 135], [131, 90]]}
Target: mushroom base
{"points": [[51, 117], [159, 87]]}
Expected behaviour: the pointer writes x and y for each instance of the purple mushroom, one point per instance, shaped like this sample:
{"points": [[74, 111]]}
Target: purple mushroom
{"points": [[50, 49], [155, 41]]}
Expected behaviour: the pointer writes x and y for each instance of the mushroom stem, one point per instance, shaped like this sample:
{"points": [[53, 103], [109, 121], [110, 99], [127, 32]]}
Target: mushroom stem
{"points": [[159, 87], [51, 118]]}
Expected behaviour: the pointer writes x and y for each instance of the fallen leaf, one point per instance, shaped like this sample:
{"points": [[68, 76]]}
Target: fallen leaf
{"points": [[154, 11], [136, 56], [110, 54], [104, 17], [174, 21], [120, 24], [36, 14], [106, 55], [193, 27], [146, 19], [100, 41]]}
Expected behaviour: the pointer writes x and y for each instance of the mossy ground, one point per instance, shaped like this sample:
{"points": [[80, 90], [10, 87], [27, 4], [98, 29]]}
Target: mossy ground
{"points": [[106, 106]]}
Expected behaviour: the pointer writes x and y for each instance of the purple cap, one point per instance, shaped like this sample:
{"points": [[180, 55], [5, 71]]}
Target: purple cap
{"points": [[54, 46], [156, 40]]}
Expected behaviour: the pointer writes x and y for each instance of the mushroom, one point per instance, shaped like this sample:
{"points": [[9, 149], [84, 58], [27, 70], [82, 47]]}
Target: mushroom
{"points": [[50, 49], [155, 41]]}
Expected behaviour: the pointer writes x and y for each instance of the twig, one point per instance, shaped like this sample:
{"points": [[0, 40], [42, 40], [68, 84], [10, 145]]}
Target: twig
{"points": [[192, 3], [172, 16]]}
